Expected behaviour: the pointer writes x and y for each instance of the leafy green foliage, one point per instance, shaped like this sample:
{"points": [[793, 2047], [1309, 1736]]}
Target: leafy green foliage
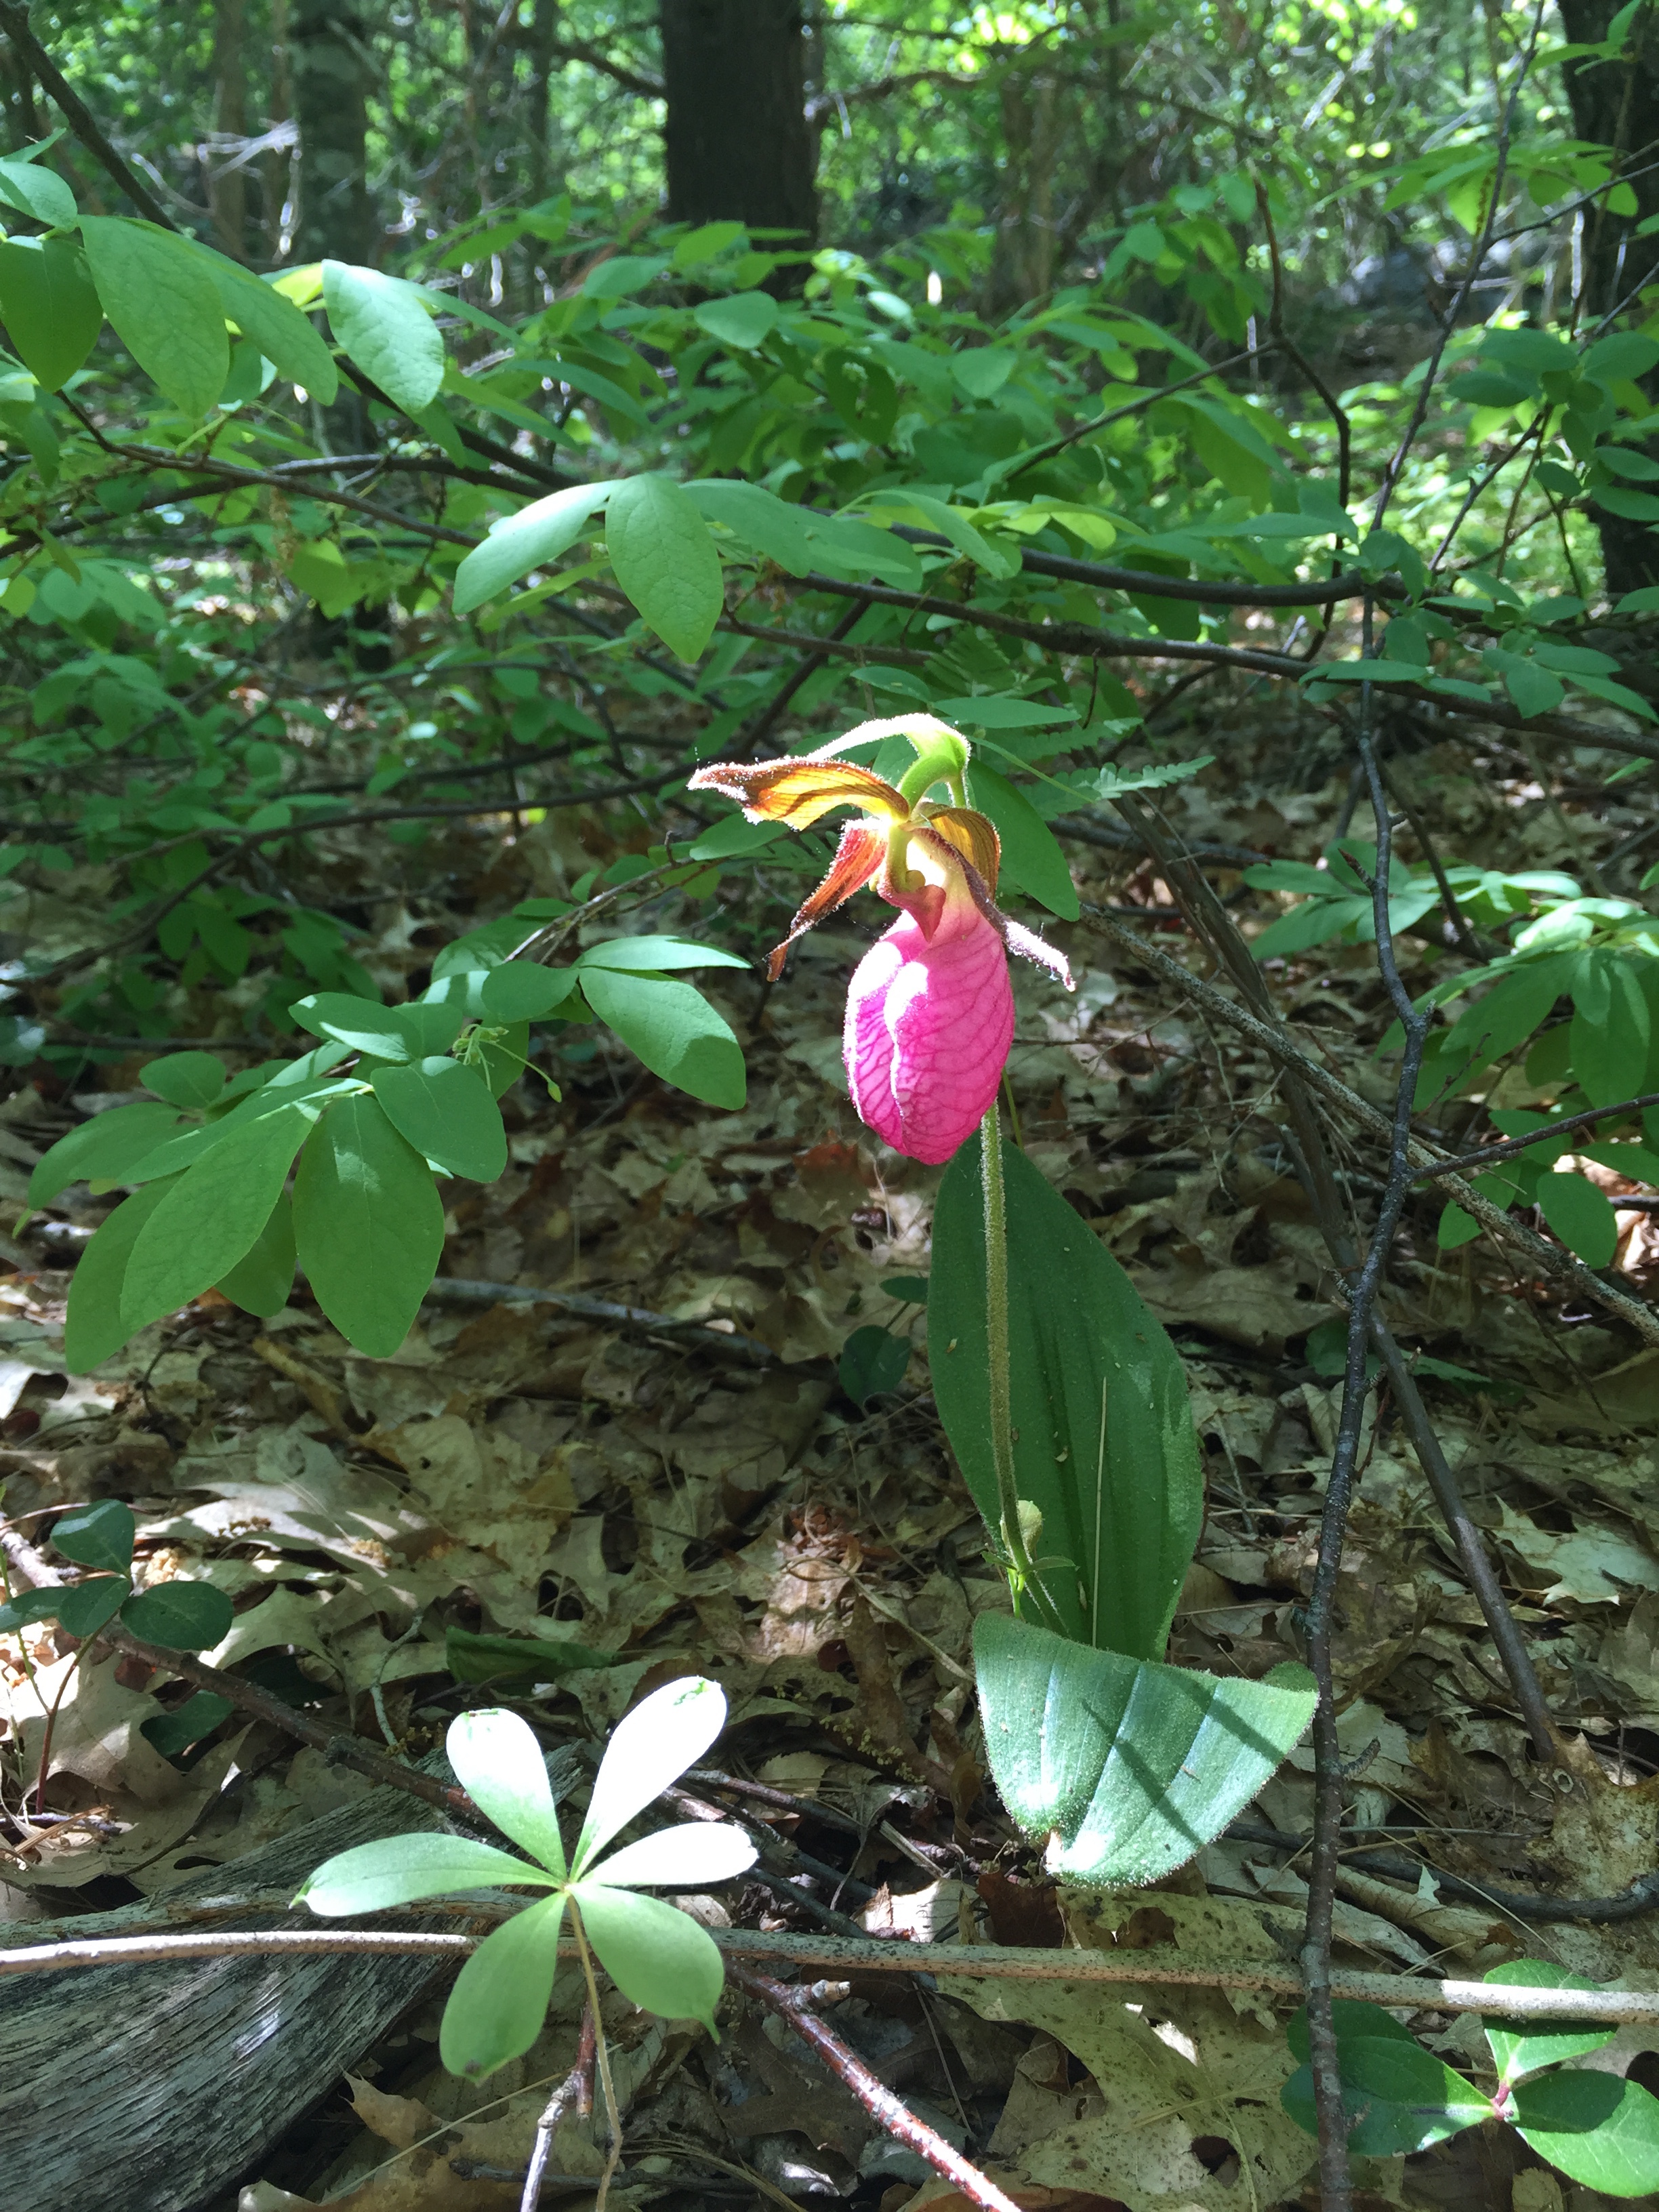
{"points": [[1599, 2129], [181, 1616], [659, 1958]]}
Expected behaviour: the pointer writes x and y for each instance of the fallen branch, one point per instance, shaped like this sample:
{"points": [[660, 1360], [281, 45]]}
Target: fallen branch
{"points": [[995, 1961], [638, 1320]]}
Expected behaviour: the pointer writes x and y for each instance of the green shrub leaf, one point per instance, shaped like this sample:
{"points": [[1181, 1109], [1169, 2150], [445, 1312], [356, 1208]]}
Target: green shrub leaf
{"points": [[93, 1329], [164, 305], [674, 1030], [263, 1278], [384, 324], [52, 309], [180, 1615], [658, 1956], [211, 1216], [446, 1111], [1602, 2132], [186, 1079], [1399, 2097], [499, 2002], [664, 560], [100, 1151], [367, 1224], [99, 1535], [531, 538]]}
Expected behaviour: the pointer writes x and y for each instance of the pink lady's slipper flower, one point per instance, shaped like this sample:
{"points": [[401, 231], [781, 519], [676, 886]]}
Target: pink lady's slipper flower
{"points": [[930, 1010]]}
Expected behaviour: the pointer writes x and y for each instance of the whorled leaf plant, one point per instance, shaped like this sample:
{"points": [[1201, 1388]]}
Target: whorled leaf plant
{"points": [[658, 1956]]}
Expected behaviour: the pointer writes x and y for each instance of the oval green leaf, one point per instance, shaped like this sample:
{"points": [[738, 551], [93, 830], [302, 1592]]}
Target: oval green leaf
{"points": [[658, 1956], [181, 1616], [536, 535], [52, 309], [674, 1030], [367, 1224], [164, 305], [99, 1535], [384, 324], [664, 560], [1601, 2132], [446, 1111], [499, 2002], [100, 1151]]}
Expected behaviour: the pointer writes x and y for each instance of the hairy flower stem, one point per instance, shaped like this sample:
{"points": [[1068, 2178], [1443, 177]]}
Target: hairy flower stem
{"points": [[1021, 1570]]}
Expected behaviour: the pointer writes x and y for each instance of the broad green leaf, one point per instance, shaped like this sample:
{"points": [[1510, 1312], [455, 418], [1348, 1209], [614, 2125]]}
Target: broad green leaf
{"points": [[674, 1030], [665, 561], [1353, 2017], [872, 1360], [522, 991], [446, 1111], [86, 1608], [1601, 2132], [99, 1535], [688, 1855], [263, 1278], [1399, 2097], [983, 370], [211, 1217], [367, 1224], [396, 1033], [473, 1658], [164, 305], [40, 191], [1519, 2048], [94, 1329], [759, 519], [992, 712], [384, 324], [1610, 1045], [1032, 858], [184, 1079], [650, 954], [499, 1764], [399, 1870], [173, 1733], [531, 538], [1126, 1767], [101, 1150], [27, 1607], [288, 340], [52, 309], [742, 319], [499, 2002], [1580, 1215], [649, 1748], [180, 1615], [658, 1956], [1122, 1512]]}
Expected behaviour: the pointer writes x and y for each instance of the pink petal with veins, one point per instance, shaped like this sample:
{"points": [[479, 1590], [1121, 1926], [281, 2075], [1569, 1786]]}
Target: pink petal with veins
{"points": [[928, 1028]]}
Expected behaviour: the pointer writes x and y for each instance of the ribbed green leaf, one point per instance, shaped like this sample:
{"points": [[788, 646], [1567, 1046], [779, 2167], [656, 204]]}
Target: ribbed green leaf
{"points": [[384, 327], [674, 1030], [665, 561], [446, 1111], [211, 1217], [260, 1281], [164, 305], [101, 1150], [1125, 1768], [367, 1224], [52, 309]]}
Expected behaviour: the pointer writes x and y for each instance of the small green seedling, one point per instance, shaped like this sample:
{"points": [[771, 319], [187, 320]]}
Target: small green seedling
{"points": [[1598, 2129], [658, 1956], [183, 1616]]}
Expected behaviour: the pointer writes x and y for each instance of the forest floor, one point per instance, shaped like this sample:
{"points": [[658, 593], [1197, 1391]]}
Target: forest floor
{"points": [[520, 1468]]}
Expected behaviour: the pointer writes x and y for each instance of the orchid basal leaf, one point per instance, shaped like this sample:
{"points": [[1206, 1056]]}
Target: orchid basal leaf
{"points": [[499, 1764], [693, 1852], [499, 2002], [658, 1956], [398, 1869], [650, 1748]]}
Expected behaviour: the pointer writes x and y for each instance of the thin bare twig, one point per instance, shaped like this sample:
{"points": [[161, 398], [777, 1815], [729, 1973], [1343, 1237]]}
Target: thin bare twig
{"points": [[574, 2093], [890, 2111], [1513, 1146]]}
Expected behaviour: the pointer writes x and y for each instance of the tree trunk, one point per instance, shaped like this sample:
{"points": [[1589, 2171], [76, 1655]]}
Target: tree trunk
{"points": [[737, 141], [1022, 261], [543, 31], [227, 186], [1616, 103], [332, 69]]}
